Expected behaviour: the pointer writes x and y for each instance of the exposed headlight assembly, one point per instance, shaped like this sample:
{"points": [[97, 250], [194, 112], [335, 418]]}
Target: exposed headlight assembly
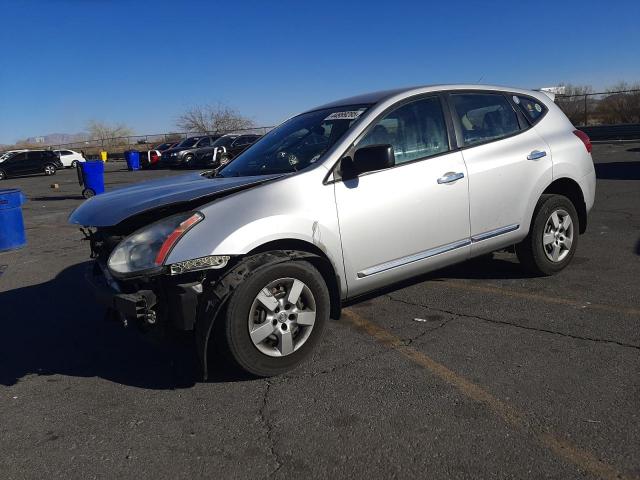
{"points": [[146, 250]]}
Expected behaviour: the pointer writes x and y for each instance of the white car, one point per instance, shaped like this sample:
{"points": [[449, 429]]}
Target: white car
{"points": [[337, 202], [69, 158]]}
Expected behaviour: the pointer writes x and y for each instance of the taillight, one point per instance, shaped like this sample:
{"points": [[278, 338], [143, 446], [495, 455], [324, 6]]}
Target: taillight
{"points": [[154, 156], [585, 139]]}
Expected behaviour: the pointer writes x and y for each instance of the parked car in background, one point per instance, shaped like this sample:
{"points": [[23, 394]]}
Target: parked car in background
{"points": [[8, 153], [69, 158], [337, 202], [184, 153], [164, 146], [29, 162], [224, 150]]}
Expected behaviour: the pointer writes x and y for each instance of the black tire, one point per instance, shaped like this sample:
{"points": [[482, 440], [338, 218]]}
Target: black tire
{"points": [[233, 339], [74, 164], [49, 169], [188, 161], [2, 175], [88, 193], [531, 251]]}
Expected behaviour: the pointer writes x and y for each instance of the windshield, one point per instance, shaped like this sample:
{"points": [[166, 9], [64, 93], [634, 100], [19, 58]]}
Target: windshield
{"points": [[296, 144], [189, 142]]}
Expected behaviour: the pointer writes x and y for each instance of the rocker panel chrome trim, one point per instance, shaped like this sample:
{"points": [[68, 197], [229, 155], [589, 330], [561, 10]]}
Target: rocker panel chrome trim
{"points": [[413, 258], [494, 233]]}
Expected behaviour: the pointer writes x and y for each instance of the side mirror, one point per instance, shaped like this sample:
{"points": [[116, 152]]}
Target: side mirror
{"points": [[367, 159]]}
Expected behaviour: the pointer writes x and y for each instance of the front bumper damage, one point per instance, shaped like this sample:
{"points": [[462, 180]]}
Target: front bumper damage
{"points": [[147, 301]]}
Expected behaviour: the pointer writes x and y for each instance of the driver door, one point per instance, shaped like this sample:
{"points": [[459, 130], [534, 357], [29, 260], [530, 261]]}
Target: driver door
{"points": [[411, 218]]}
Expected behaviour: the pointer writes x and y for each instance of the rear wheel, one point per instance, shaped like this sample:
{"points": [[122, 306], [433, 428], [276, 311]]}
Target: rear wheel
{"points": [[74, 164], [2, 175], [553, 236], [49, 169], [275, 318]]}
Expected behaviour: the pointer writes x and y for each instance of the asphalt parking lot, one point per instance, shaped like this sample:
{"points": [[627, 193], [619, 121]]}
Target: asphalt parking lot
{"points": [[476, 371]]}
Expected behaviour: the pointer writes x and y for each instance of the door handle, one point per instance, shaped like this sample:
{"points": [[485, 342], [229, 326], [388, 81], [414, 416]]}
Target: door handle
{"points": [[450, 177], [536, 154]]}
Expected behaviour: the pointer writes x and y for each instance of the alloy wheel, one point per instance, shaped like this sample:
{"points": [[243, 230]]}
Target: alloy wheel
{"points": [[557, 237], [49, 169], [281, 317]]}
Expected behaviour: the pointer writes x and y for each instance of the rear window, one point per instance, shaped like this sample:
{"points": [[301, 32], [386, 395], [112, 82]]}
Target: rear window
{"points": [[532, 108], [484, 117]]}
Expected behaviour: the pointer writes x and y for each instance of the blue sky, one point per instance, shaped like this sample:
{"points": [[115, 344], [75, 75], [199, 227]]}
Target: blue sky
{"points": [[63, 62]]}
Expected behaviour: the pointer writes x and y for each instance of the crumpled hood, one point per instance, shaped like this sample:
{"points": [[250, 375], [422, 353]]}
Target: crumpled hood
{"points": [[117, 205]]}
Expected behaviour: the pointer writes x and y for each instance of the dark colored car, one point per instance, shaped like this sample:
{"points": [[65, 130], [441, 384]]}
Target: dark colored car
{"points": [[188, 150], [165, 146], [228, 147], [33, 161]]}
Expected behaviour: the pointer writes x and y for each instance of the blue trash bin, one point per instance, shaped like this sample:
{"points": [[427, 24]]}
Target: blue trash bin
{"points": [[92, 177], [133, 159], [12, 234]]}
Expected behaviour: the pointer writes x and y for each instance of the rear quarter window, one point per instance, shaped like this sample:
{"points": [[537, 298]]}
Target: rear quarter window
{"points": [[532, 109]]}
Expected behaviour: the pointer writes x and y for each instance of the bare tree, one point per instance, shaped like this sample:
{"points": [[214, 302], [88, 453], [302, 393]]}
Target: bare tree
{"points": [[574, 102], [108, 134], [218, 118], [621, 107]]}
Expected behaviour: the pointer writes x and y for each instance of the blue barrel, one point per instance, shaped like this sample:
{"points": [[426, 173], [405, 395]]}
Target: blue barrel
{"points": [[92, 177], [133, 159], [12, 234]]}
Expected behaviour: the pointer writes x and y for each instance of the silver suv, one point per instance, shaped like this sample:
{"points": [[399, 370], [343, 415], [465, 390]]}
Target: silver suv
{"points": [[336, 202]]}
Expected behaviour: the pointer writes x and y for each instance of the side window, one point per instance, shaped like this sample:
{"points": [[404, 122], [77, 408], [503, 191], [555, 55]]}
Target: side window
{"points": [[18, 157], [65, 152], [205, 142], [35, 155], [484, 116], [415, 130], [533, 109]]}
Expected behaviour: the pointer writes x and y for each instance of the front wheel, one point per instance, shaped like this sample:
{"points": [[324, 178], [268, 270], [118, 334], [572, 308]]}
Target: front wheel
{"points": [[553, 236], [275, 318], [49, 169], [2, 175], [188, 161]]}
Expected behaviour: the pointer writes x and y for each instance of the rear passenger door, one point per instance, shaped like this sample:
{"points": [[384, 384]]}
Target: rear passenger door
{"points": [[33, 163], [508, 164]]}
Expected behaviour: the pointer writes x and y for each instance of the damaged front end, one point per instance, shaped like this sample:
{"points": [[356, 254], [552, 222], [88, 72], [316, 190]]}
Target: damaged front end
{"points": [[130, 276]]}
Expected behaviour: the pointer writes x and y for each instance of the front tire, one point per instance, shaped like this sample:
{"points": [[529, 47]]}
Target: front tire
{"points": [[553, 236], [188, 161], [274, 319], [2, 175]]}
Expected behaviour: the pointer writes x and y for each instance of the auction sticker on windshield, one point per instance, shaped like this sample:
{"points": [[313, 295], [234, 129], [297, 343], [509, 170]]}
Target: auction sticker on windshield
{"points": [[349, 115]]}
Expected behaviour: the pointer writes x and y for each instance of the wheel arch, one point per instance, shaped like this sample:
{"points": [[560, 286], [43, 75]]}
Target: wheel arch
{"points": [[571, 189], [318, 259]]}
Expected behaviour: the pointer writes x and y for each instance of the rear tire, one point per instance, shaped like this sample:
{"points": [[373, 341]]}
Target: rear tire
{"points": [[553, 236], [285, 342], [2, 175], [74, 164], [49, 169]]}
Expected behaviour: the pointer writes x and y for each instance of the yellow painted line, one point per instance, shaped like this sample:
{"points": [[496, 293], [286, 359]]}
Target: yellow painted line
{"points": [[510, 414], [542, 298]]}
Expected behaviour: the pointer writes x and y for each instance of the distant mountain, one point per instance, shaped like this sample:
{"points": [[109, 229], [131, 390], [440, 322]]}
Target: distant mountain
{"points": [[58, 138]]}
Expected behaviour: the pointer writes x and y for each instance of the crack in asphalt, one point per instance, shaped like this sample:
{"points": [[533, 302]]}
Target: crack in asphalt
{"points": [[517, 325], [269, 430]]}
